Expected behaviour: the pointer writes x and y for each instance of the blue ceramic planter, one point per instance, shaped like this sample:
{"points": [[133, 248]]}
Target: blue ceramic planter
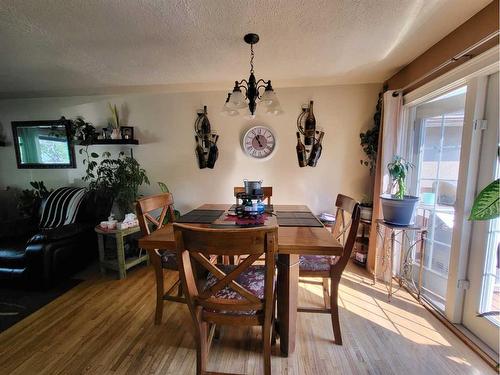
{"points": [[398, 211]]}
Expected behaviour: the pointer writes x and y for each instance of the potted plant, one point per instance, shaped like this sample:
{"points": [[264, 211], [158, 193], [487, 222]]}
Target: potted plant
{"points": [[120, 177], [82, 131], [369, 143], [398, 208], [369, 139], [115, 124]]}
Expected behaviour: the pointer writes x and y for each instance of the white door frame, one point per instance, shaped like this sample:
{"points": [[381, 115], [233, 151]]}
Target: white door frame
{"points": [[483, 327], [466, 192], [473, 74]]}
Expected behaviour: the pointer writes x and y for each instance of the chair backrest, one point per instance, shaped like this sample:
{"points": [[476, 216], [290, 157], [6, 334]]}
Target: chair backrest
{"points": [[346, 227], [164, 203], [200, 243], [267, 192]]}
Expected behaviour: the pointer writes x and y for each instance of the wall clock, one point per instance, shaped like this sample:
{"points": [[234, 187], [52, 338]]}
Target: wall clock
{"points": [[259, 142]]}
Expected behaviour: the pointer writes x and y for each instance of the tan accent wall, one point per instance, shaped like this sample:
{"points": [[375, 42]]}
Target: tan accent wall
{"points": [[476, 28]]}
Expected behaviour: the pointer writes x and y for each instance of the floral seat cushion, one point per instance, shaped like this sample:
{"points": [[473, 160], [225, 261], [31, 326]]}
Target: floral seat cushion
{"points": [[251, 279], [169, 260], [317, 262]]}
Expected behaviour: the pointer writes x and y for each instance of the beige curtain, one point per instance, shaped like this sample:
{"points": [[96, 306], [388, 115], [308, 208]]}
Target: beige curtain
{"points": [[389, 141]]}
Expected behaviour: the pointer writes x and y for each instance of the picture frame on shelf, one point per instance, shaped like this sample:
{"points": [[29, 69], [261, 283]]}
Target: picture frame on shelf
{"points": [[127, 132]]}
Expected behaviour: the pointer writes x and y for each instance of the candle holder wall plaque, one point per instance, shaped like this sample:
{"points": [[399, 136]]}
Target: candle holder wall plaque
{"points": [[309, 151], [206, 150]]}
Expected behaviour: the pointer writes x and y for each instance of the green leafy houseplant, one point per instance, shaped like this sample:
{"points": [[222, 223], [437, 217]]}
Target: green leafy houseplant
{"points": [[399, 209], [82, 131], [29, 200], [487, 204], [120, 177], [115, 116], [398, 169], [369, 139]]}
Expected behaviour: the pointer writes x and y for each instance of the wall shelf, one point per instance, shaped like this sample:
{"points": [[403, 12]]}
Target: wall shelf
{"points": [[115, 142]]}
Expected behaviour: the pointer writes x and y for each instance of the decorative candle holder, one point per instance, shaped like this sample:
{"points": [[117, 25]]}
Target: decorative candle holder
{"points": [[206, 149]]}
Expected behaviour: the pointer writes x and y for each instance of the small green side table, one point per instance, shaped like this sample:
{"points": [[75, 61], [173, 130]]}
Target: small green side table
{"points": [[120, 264]]}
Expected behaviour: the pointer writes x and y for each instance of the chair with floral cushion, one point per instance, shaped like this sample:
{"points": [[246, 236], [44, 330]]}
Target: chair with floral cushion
{"points": [[162, 260], [239, 295], [332, 267]]}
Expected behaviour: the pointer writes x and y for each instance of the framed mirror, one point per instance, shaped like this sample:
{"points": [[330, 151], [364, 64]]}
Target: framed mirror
{"points": [[43, 144]]}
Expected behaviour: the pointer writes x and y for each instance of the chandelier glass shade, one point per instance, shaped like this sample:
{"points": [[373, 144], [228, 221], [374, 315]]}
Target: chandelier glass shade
{"points": [[252, 91]]}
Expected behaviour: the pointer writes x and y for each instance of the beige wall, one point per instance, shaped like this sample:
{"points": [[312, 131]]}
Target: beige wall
{"points": [[164, 125]]}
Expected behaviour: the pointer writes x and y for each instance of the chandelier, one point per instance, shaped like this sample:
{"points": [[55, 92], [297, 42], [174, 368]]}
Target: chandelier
{"points": [[237, 100]]}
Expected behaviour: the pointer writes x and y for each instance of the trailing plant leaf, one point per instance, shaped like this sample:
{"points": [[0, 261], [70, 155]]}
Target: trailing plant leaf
{"points": [[114, 114], [164, 189], [487, 204], [369, 139], [29, 200], [83, 131]]}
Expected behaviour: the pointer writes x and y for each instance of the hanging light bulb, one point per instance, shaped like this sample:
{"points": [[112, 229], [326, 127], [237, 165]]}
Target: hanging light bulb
{"points": [[269, 96], [274, 109], [237, 98], [227, 110]]}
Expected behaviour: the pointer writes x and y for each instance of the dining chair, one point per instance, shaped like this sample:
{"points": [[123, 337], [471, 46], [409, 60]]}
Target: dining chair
{"points": [[162, 260], [332, 267], [237, 295], [267, 192]]}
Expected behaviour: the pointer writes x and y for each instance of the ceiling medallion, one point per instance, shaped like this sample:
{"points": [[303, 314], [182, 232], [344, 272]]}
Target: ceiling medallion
{"points": [[237, 100]]}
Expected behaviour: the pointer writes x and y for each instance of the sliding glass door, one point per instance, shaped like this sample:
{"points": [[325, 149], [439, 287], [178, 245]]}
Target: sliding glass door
{"points": [[437, 138], [482, 298], [453, 141]]}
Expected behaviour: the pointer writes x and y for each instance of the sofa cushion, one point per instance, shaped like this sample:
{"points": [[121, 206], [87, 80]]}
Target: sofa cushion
{"points": [[61, 207]]}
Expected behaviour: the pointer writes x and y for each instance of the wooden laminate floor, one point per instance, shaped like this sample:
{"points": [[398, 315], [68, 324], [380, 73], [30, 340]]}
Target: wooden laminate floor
{"points": [[105, 326]]}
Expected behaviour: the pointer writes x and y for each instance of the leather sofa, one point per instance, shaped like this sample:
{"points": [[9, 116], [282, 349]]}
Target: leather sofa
{"points": [[38, 258]]}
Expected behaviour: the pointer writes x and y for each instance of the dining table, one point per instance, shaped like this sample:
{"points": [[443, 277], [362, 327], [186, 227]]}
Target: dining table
{"points": [[293, 241]]}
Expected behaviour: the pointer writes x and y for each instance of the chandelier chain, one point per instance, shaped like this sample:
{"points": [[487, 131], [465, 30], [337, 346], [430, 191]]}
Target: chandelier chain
{"points": [[251, 58]]}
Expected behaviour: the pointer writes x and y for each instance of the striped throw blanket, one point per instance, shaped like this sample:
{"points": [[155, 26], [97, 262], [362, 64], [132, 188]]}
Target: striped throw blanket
{"points": [[61, 207]]}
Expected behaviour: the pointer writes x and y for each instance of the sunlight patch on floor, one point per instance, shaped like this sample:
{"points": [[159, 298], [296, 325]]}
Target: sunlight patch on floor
{"points": [[461, 361], [405, 319], [313, 286]]}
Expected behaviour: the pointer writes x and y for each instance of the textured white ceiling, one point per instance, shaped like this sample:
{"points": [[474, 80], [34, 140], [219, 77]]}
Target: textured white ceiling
{"points": [[56, 47]]}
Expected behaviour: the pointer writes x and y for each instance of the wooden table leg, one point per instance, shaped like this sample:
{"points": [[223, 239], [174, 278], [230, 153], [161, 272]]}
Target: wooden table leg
{"points": [[120, 256], [100, 242], [288, 285]]}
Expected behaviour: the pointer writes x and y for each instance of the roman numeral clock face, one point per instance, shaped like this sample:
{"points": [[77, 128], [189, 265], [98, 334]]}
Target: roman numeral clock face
{"points": [[259, 142]]}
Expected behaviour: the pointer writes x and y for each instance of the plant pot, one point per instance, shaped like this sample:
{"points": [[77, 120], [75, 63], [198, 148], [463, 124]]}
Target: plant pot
{"points": [[398, 211], [115, 134], [365, 212]]}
